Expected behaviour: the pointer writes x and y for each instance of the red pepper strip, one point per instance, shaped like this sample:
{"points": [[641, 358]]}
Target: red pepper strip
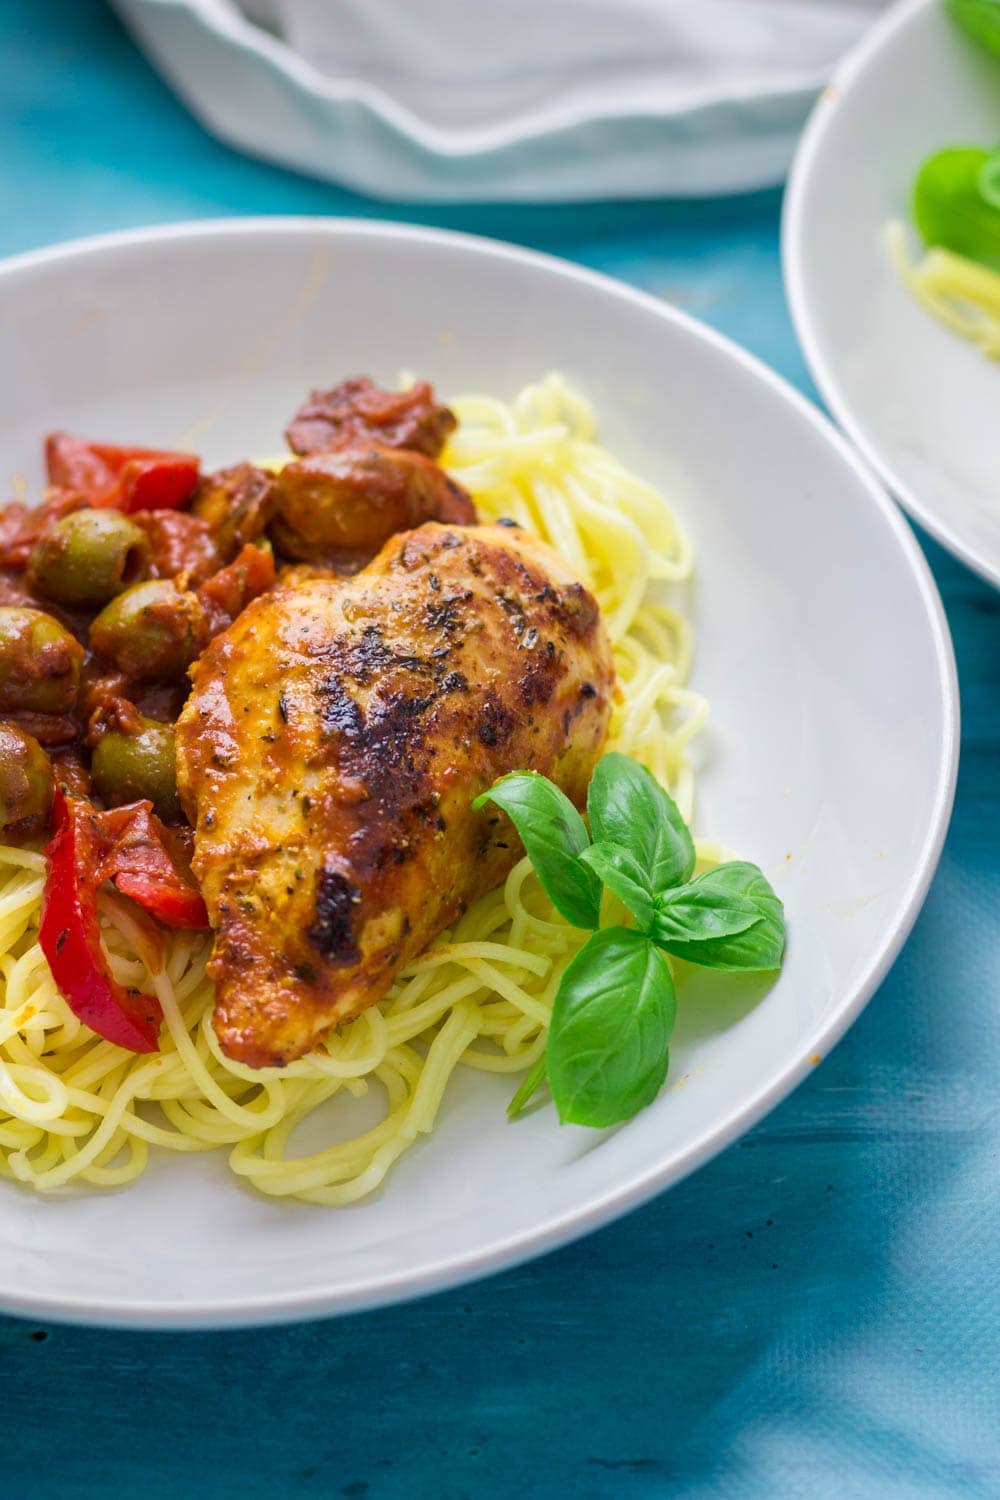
{"points": [[173, 907], [147, 865], [126, 478], [163, 483], [70, 935], [74, 464]]}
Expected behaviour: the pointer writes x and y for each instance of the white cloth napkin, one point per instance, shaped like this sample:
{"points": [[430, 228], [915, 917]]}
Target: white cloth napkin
{"points": [[509, 98], [470, 66]]}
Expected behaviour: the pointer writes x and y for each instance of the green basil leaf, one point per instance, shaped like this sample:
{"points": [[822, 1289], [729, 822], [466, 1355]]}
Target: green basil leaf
{"points": [[530, 1084], [608, 1045], [622, 873], [981, 19], [627, 806], [989, 176], [729, 918], [553, 834], [949, 208]]}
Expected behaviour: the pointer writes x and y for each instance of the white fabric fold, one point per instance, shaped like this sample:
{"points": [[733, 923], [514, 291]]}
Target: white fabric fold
{"points": [[500, 99]]}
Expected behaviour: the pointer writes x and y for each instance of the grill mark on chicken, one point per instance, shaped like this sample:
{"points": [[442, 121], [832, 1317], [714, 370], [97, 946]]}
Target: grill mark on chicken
{"points": [[332, 933], [339, 711], [496, 723], [445, 614]]}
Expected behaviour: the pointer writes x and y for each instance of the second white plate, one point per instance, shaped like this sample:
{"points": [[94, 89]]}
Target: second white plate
{"points": [[921, 403]]}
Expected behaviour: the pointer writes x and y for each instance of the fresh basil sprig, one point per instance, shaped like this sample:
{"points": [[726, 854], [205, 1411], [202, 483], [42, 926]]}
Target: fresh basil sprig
{"points": [[607, 1049]]}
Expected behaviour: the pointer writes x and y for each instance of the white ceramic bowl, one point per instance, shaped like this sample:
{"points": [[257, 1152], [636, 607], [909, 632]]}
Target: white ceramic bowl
{"points": [[921, 403], [821, 644]]}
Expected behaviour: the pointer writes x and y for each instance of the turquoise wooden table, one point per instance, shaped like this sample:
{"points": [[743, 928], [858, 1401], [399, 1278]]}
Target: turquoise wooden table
{"points": [[815, 1312]]}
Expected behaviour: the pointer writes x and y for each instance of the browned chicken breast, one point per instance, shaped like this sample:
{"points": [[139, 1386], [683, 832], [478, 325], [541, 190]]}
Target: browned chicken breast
{"points": [[331, 749], [339, 508]]}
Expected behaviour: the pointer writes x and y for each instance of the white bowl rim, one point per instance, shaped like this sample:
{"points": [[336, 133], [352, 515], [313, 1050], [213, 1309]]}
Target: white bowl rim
{"points": [[833, 98], [561, 1229]]}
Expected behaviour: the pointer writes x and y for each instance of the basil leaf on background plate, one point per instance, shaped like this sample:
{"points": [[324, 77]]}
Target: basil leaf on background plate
{"points": [[989, 178], [950, 210], [981, 19]]}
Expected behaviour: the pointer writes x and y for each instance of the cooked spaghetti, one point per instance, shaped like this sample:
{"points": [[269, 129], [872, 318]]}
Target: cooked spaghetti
{"points": [[77, 1109], [961, 293]]}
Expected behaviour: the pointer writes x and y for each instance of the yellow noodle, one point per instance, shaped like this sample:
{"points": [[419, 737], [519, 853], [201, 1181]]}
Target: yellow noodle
{"points": [[75, 1109], [962, 294]]}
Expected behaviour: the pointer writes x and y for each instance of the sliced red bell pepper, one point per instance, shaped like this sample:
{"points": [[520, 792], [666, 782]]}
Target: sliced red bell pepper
{"points": [[146, 864], [156, 481], [74, 464], [172, 905], [129, 479], [71, 941], [129, 846]]}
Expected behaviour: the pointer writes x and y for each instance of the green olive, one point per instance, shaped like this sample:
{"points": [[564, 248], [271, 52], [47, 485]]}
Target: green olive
{"points": [[26, 781], [153, 630], [39, 663], [136, 767], [88, 557]]}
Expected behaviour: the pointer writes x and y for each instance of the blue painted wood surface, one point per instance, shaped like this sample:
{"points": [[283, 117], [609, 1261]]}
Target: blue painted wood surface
{"points": [[815, 1312]]}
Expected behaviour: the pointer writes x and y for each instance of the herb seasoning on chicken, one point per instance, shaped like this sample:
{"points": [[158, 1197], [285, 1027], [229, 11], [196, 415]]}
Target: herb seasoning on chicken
{"points": [[330, 751]]}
